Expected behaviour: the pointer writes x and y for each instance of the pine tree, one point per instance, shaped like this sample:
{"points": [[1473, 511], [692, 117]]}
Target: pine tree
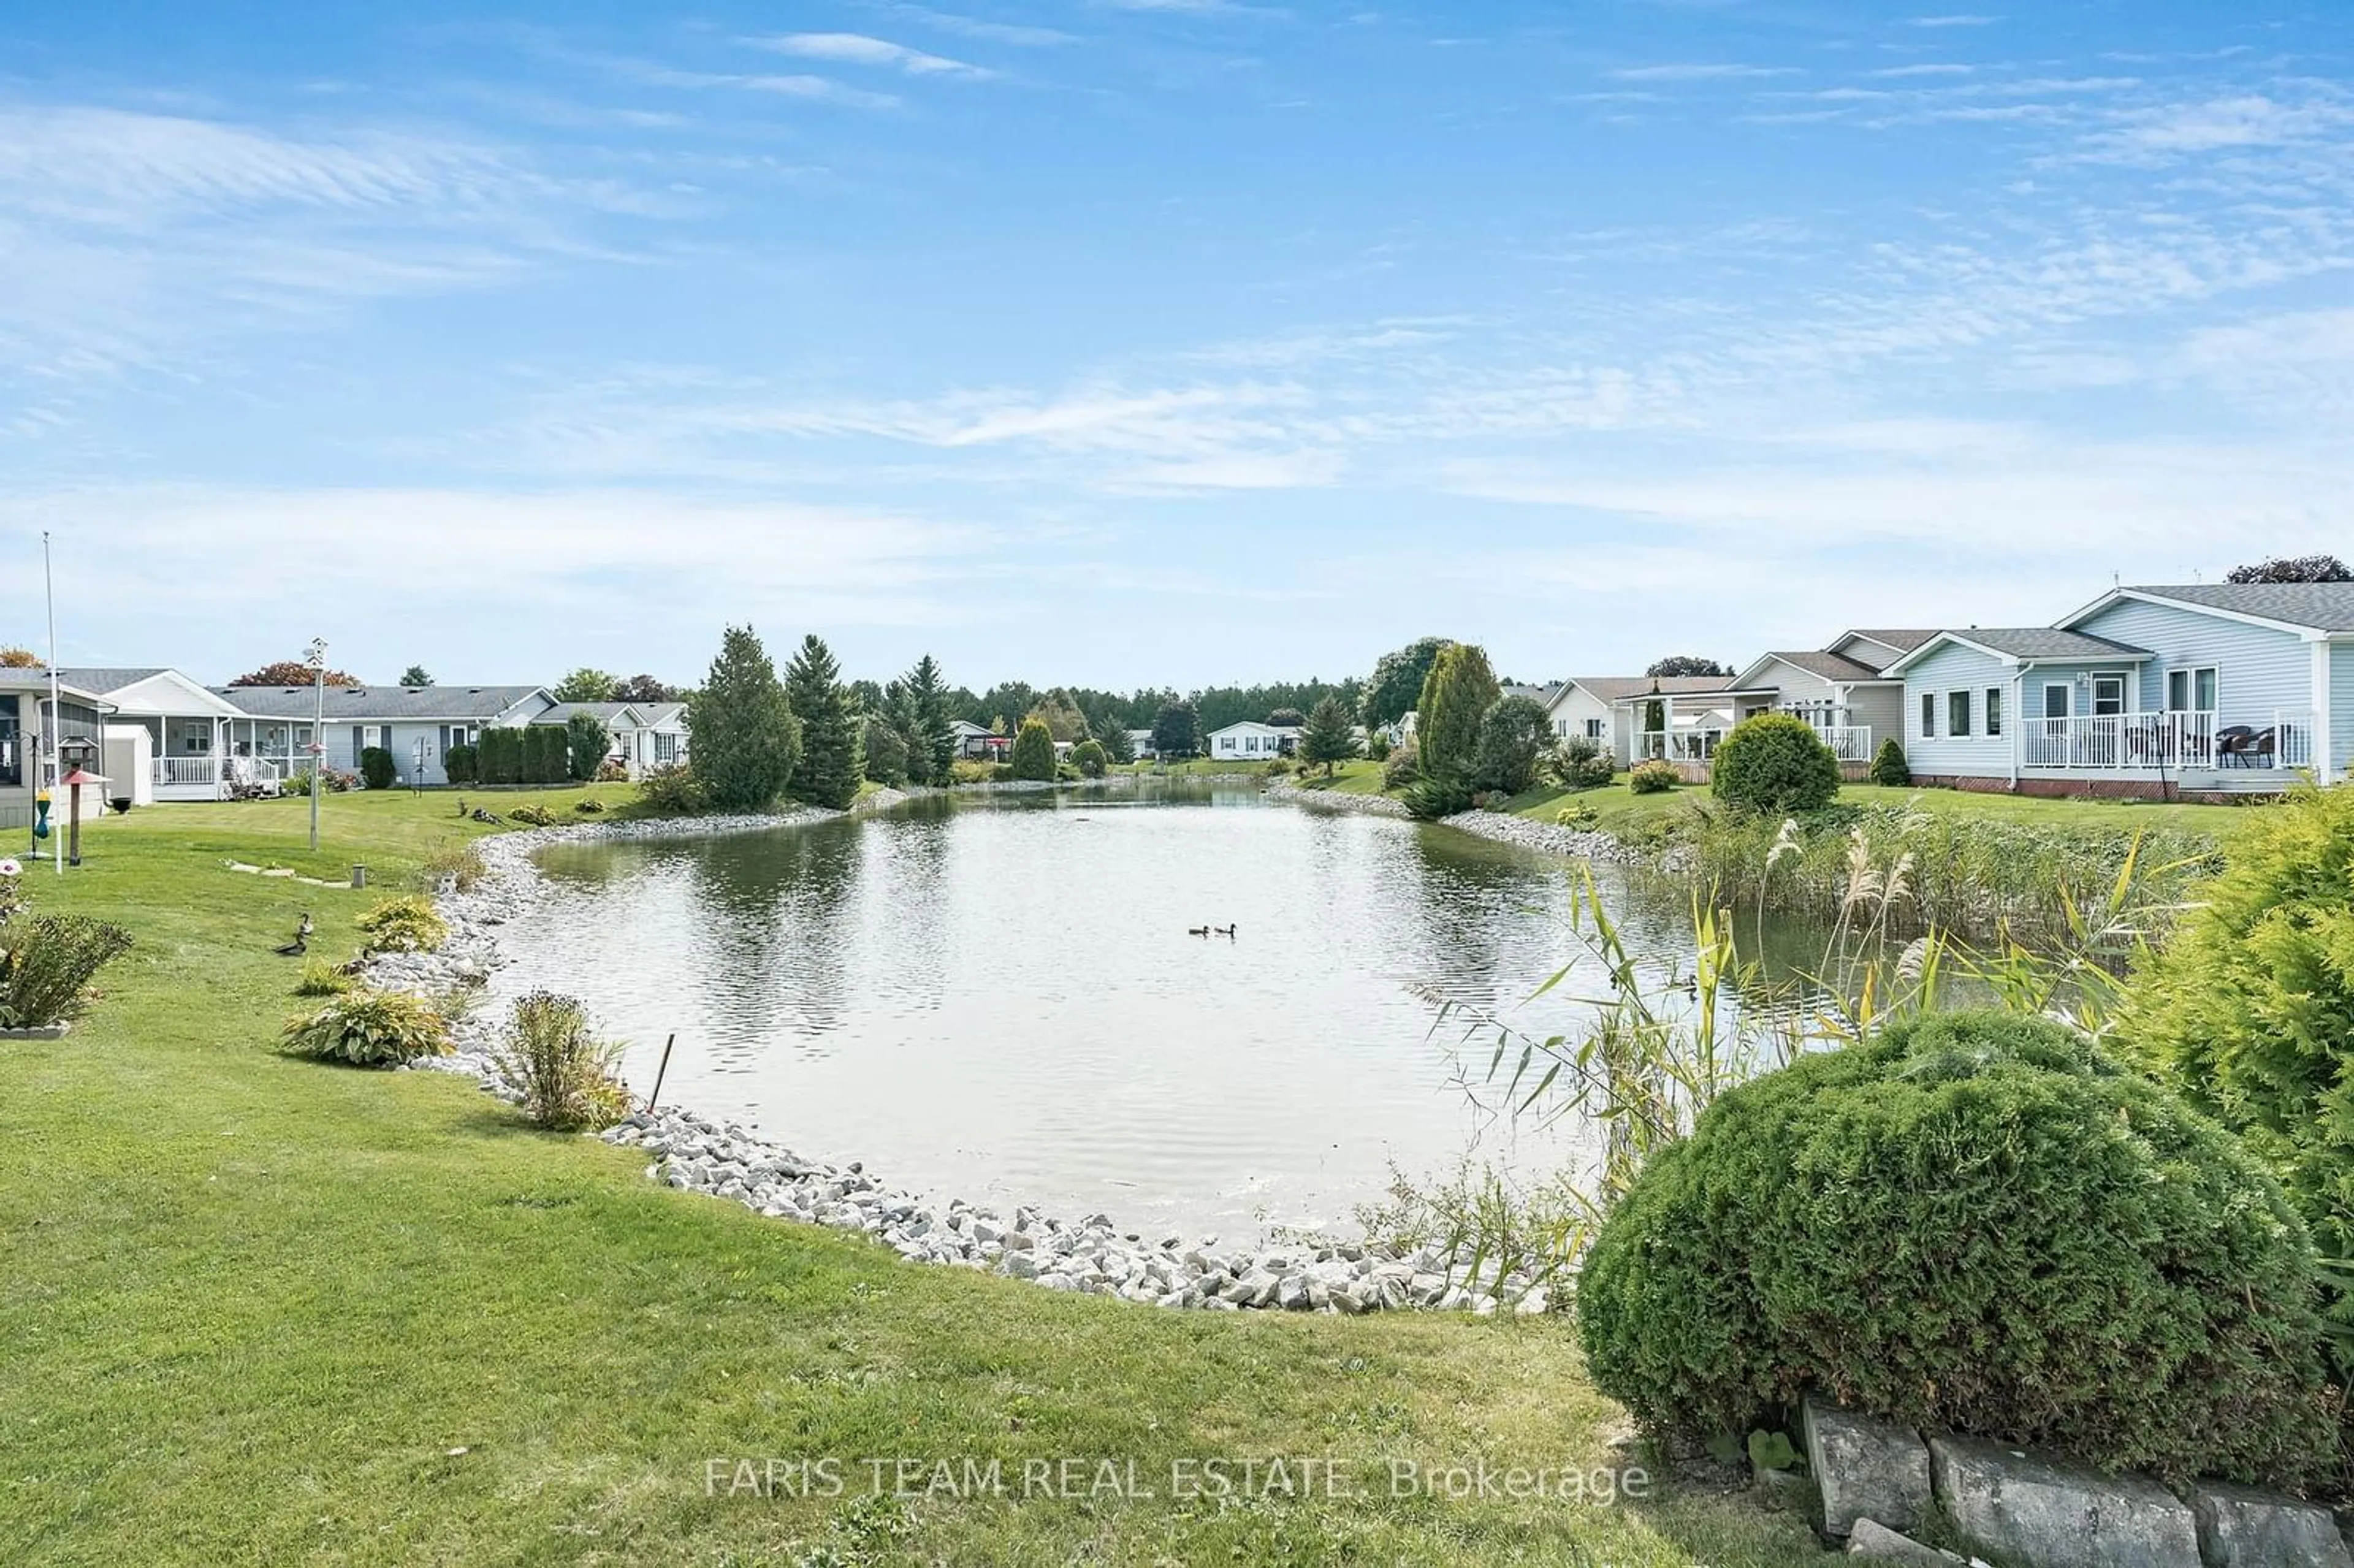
{"points": [[1460, 690], [1177, 730], [1329, 737], [742, 738], [931, 744], [828, 773]]}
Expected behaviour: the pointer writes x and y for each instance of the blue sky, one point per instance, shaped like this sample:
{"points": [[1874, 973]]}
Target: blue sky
{"points": [[1182, 341]]}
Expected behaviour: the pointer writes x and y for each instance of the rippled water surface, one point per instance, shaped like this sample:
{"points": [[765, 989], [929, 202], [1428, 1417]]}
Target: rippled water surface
{"points": [[998, 999]]}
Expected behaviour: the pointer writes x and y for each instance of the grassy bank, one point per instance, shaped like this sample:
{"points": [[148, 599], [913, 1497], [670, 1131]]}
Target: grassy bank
{"points": [[264, 1311]]}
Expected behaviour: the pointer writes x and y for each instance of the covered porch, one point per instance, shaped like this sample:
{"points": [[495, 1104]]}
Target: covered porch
{"points": [[1684, 729], [2202, 748]]}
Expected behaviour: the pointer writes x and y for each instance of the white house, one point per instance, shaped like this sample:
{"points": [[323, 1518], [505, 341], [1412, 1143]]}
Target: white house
{"points": [[165, 735], [419, 724], [1141, 745], [2210, 689], [26, 721], [643, 737], [1249, 741], [1844, 691], [1612, 709]]}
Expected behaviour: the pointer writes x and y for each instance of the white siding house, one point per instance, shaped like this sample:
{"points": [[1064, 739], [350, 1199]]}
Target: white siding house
{"points": [[643, 737], [27, 720], [1248, 741], [185, 728], [2200, 688], [417, 725]]}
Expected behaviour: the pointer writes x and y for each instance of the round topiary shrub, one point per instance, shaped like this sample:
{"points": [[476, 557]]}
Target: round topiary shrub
{"points": [[1775, 762], [1652, 777], [1978, 1223], [1888, 766]]}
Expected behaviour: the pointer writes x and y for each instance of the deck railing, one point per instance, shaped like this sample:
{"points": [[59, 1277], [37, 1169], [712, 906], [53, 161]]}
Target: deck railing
{"points": [[2198, 742], [196, 772], [1848, 742]]}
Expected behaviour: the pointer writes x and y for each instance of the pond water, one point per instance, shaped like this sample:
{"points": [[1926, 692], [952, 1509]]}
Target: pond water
{"points": [[999, 998]]}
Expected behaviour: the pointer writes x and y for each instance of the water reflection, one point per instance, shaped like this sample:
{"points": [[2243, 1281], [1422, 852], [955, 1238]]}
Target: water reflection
{"points": [[1000, 998]]}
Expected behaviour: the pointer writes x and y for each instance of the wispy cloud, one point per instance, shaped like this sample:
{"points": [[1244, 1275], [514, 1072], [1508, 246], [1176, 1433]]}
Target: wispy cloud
{"points": [[1020, 36], [1947, 69], [1955, 21], [815, 88], [857, 48], [1699, 72]]}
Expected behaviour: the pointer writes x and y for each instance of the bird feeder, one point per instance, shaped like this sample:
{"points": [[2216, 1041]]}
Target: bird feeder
{"points": [[75, 753]]}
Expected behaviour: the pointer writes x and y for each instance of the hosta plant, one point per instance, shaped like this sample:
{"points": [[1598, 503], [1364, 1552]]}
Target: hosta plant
{"points": [[370, 1029], [404, 924]]}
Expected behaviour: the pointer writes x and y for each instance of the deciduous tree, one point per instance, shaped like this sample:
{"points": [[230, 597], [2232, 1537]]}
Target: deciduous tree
{"points": [[1397, 688], [2293, 569], [292, 672], [1686, 664], [1177, 730], [585, 685]]}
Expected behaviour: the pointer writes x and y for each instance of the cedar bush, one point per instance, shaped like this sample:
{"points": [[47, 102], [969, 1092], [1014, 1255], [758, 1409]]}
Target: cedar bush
{"points": [[1032, 756], [586, 743], [2251, 1009], [1515, 735], [378, 770], [1775, 762], [1888, 766], [1652, 776], [370, 1029], [1090, 758], [461, 765], [1977, 1222]]}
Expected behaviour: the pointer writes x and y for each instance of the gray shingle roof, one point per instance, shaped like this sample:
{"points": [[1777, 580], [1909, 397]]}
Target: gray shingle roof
{"points": [[1829, 667], [1902, 640], [2046, 642], [1617, 688], [106, 681], [2323, 607], [380, 705]]}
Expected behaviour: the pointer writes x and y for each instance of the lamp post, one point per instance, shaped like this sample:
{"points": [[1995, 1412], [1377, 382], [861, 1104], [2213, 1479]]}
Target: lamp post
{"points": [[316, 657]]}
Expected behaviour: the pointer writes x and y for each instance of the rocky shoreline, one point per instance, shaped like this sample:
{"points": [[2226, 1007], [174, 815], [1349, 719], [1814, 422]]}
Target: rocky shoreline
{"points": [[1092, 1257], [1574, 843]]}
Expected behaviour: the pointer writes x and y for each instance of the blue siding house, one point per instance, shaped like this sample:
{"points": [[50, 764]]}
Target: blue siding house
{"points": [[2200, 689]]}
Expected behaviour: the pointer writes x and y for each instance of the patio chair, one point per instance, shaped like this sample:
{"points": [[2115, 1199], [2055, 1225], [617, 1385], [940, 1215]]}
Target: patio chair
{"points": [[2231, 742], [2262, 746]]}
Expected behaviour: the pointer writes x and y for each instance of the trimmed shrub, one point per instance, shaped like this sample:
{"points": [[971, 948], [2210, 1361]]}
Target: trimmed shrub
{"points": [[378, 770], [671, 792], [533, 815], [591, 807], [461, 765], [1034, 752], [1001, 773], [499, 756], [1431, 798], [566, 1072], [1402, 766], [404, 924], [1977, 1222], [1888, 766], [47, 963], [1090, 758], [1652, 776], [1775, 762], [370, 1029], [2251, 1009]]}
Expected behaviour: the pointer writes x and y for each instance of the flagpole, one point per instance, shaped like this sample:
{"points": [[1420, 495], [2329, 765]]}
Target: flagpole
{"points": [[57, 710]]}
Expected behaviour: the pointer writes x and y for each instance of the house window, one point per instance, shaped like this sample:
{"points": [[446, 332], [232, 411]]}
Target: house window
{"points": [[1957, 712], [1928, 715], [2190, 691], [2108, 695], [2055, 700], [1994, 710], [665, 747], [1594, 729]]}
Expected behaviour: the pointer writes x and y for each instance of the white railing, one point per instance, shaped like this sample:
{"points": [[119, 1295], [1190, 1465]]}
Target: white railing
{"points": [[198, 772], [2169, 741], [1848, 742], [1678, 745]]}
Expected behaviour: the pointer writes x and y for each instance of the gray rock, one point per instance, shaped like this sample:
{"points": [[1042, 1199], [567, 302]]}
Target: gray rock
{"points": [[1875, 1542], [1866, 1469], [2241, 1528], [2050, 1514], [1021, 1265]]}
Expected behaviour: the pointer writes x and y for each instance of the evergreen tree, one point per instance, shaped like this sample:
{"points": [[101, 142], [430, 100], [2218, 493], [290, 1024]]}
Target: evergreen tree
{"points": [[415, 675], [1513, 735], [828, 773], [742, 738], [885, 750], [1396, 689], [1113, 737], [1460, 691], [1177, 730], [1330, 736], [1034, 752], [587, 745], [931, 744]]}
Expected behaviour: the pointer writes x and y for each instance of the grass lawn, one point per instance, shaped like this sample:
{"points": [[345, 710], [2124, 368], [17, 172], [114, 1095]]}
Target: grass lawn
{"points": [[1619, 808], [1198, 766], [264, 1311]]}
